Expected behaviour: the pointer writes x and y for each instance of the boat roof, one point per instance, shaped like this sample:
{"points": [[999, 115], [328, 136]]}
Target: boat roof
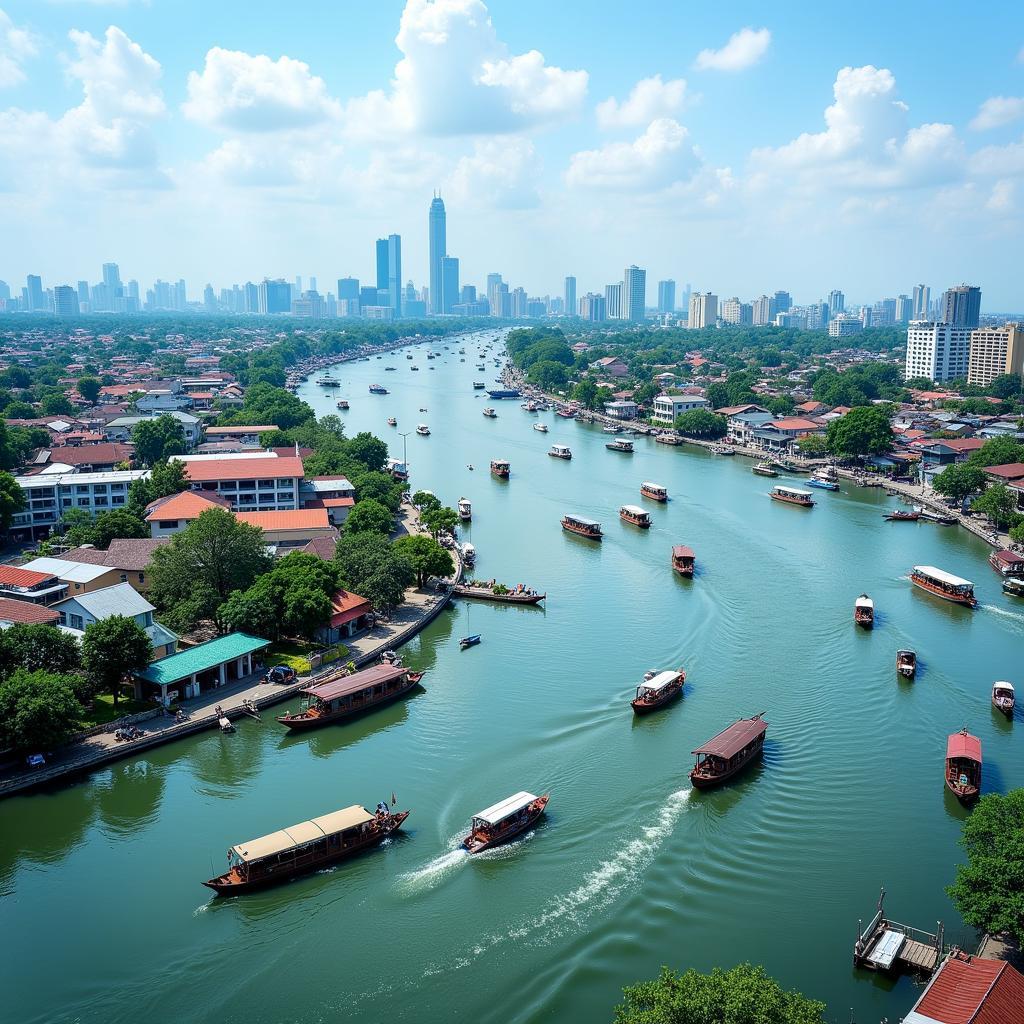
{"points": [[864, 602], [682, 551], [660, 681], [561, 447], [505, 808], [497, 462], [302, 833], [960, 745], [732, 740], [345, 685], [942, 576], [792, 490], [653, 487], [582, 520], [1004, 684], [635, 510]]}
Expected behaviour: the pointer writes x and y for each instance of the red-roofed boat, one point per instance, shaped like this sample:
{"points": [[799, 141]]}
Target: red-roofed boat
{"points": [[683, 560], [729, 752], [963, 766]]}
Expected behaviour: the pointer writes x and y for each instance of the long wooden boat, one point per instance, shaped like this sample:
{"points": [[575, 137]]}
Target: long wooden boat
{"points": [[1003, 697], [673, 439], [656, 492], [469, 641], [864, 612], [348, 695], [619, 445], [729, 752], [635, 515], [683, 560], [944, 584], [898, 516], [304, 847], [501, 468], [792, 496], [1014, 586], [488, 594], [906, 664], [504, 821], [657, 689], [963, 765], [589, 528]]}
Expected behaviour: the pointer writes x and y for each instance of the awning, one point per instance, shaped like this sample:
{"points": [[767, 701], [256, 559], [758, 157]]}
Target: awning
{"points": [[961, 745], [345, 685], [301, 834], [731, 741], [505, 809]]}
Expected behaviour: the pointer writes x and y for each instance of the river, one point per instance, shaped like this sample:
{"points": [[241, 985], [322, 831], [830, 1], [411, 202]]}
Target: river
{"points": [[100, 901]]}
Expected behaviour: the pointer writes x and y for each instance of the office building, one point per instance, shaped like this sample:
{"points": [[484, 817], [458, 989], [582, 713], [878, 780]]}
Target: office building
{"points": [[438, 239], [634, 294], [666, 296], [613, 300], [389, 273], [112, 278], [783, 302], [904, 309], [703, 310], [468, 294], [836, 303], [762, 310], [83, 295], [273, 296], [570, 296], [593, 308], [449, 283], [883, 313], [34, 294], [995, 351], [65, 300], [961, 306], [736, 312], [921, 302], [49, 495], [845, 324], [936, 350]]}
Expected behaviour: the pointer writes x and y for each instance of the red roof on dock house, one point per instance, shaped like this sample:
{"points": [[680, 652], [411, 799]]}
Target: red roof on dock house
{"points": [[971, 990]]}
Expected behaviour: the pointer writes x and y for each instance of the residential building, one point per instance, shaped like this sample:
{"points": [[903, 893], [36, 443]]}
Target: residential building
{"points": [[736, 312], [668, 407], [621, 410], [49, 495], [938, 351], [22, 613], [170, 515], [78, 612], [570, 296], [449, 284], [666, 296], [961, 306], [703, 310], [250, 482], [437, 235], [634, 294], [995, 351], [920, 302], [79, 577], [844, 325], [613, 366], [593, 308], [120, 429], [30, 586], [131, 557], [65, 300], [762, 310], [883, 313], [970, 990], [740, 426], [613, 301], [334, 493], [904, 309], [781, 435], [783, 302], [295, 528], [836, 303], [389, 274], [350, 614]]}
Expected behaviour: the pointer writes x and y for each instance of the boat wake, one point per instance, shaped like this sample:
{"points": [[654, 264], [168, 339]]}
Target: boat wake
{"points": [[433, 874], [1003, 613]]}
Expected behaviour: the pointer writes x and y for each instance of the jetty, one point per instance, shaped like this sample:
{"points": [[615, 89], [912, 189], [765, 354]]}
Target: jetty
{"points": [[891, 947]]}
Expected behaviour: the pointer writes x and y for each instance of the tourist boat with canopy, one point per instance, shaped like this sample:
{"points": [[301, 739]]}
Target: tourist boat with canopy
{"points": [[821, 480], [423, 430], [490, 413], [656, 492], [683, 560], [378, 389], [1014, 586], [963, 766], [944, 584], [349, 695], [620, 445], [560, 451], [504, 821], [566, 414], [468, 553], [899, 516], [864, 612], [307, 846], [589, 528], [906, 664], [792, 496], [496, 592], [327, 381], [764, 469], [465, 509], [729, 752], [723, 449], [397, 468], [501, 468], [635, 515], [1003, 697], [392, 422], [1006, 562], [657, 689], [342, 404]]}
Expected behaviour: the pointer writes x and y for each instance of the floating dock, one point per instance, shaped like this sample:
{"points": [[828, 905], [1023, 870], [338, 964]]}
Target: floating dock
{"points": [[891, 947]]}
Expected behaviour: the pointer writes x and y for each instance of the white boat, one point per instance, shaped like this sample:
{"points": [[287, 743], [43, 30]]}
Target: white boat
{"points": [[423, 430], [560, 451], [542, 427], [609, 428], [468, 553], [465, 509]]}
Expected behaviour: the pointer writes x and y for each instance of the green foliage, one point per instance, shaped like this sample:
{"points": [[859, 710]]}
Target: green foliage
{"points": [[548, 375], [780, 405], [165, 478], [20, 411], [157, 439], [424, 500], [267, 403], [38, 710], [999, 451], [812, 445], [111, 649], [12, 500], [701, 423], [37, 646], [370, 566], [585, 393], [427, 557], [742, 995], [862, 431], [999, 503], [56, 404], [369, 516], [989, 889], [368, 450], [959, 480], [439, 519], [89, 389], [1007, 386], [529, 346]]}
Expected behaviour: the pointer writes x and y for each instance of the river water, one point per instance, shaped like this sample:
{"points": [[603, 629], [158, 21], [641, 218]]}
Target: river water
{"points": [[100, 903]]}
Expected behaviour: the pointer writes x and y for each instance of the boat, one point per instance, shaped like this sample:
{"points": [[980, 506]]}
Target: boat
{"points": [[342, 403], [423, 430], [1006, 562], [906, 664], [504, 595], [542, 427], [723, 449], [468, 553], [490, 413], [786, 466], [619, 445], [307, 846], [673, 439], [465, 509], [378, 389], [530, 406], [479, 385], [683, 560], [327, 381], [764, 469], [944, 584], [560, 451], [934, 517], [392, 422], [610, 428], [826, 483], [348, 695], [589, 528], [898, 516], [729, 752], [505, 392], [792, 495], [391, 368], [864, 612], [1003, 697], [657, 689], [397, 468], [566, 414], [635, 515], [414, 368], [501, 468], [1014, 586], [469, 641], [504, 821], [409, 356], [963, 766], [654, 491]]}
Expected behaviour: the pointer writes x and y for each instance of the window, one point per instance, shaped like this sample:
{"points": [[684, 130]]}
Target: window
{"points": [[83, 502], [117, 499], [142, 577], [76, 620], [167, 524], [124, 577]]}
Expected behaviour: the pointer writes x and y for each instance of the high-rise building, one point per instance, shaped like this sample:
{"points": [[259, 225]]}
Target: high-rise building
{"points": [[389, 272], [763, 310], [437, 233], [592, 307], [844, 324], [468, 294], [921, 302], [783, 302], [112, 278], [449, 283], [518, 303], [634, 294], [181, 294], [666, 296], [83, 293], [209, 299], [883, 313], [995, 351], [36, 299], [904, 309], [703, 310], [5, 291], [65, 300], [251, 298], [865, 316], [817, 316], [961, 305], [493, 285], [348, 289], [936, 350], [736, 312], [836, 303], [613, 300], [275, 296], [570, 296]]}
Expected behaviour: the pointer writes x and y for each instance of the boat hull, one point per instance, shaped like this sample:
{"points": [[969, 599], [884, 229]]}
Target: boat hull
{"points": [[582, 533], [684, 570], [474, 843], [710, 781], [303, 722], [641, 707], [654, 496], [483, 594], [863, 620], [640, 524], [963, 599], [792, 501], [1003, 705]]}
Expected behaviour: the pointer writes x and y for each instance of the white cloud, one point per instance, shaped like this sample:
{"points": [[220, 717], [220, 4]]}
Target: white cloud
{"points": [[998, 161], [240, 92], [744, 49], [499, 174], [650, 98], [16, 46], [654, 160], [1001, 198], [997, 111]]}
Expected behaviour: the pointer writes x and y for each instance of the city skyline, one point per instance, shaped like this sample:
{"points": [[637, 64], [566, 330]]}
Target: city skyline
{"points": [[720, 145]]}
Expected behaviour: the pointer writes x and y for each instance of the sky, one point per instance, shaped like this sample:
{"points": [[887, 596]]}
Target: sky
{"points": [[740, 147]]}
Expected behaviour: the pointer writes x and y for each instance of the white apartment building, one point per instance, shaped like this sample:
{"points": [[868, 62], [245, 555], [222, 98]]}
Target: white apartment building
{"points": [[703, 309], [251, 481], [845, 324], [995, 351], [668, 407], [50, 495], [937, 351]]}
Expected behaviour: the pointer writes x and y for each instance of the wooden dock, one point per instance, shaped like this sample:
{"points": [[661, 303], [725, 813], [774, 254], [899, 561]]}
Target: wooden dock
{"points": [[886, 945]]}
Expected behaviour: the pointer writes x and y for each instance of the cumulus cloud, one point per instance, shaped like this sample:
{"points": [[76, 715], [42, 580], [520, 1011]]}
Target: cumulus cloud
{"points": [[997, 111], [650, 98], [655, 159], [744, 49], [16, 46], [500, 174]]}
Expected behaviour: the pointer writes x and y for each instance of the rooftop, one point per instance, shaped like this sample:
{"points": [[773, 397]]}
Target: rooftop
{"points": [[292, 519], [24, 613], [16, 576], [185, 505], [120, 599], [201, 657], [224, 467], [970, 990], [133, 554], [74, 572]]}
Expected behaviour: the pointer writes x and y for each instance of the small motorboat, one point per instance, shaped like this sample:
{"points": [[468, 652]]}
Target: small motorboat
{"points": [[765, 469], [1014, 586], [560, 451], [906, 664], [963, 765], [864, 612], [898, 516], [1003, 697], [465, 508], [504, 821], [423, 430], [490, 413], [823, 481], [378, 389], [392, 422], [542, 427], [469, 641]]}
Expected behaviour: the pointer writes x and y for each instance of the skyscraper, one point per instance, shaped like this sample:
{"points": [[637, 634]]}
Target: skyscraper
{"points": [[389, 271], [703, 309], [449, 283], [613, 300], [34, 289], [836, 303], [634, 294], [65, 300], [666, 296], [763, 310], [783, 302], [961, 306], [274, 296], [937, 351], [437, 234], [922, 294], [570, 296], [493, 293], [112, 277], [904, 309]]}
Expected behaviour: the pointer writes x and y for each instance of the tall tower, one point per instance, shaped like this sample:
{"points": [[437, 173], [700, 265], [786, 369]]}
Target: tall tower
{"points": [[921, 300], [437, 233], [570, 296]]}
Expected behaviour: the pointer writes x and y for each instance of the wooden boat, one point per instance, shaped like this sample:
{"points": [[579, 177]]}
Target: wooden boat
{"points": [[378, 389], [423, 430], [765, 469], [469, 641], [1003, 697], [566, 414], [654, 491], [657, 689], [944, 584], [683, 560], [588, 528], [673, 439], [898, 516], [482, 593], [729, 752], [560, 451], [635, 515], [619, 445], [906, 664], [348, 695], [490, 413], [504, 821], [963, 766], [501, 468], [468, 553], [1014, 586], [397, 468], [541, 427], [792, 496], [934, 517], [342, 404], [479, 385], [392, 422], [305, 847], [1006, 562], [465, 509], [864, 612], [723, 449]]}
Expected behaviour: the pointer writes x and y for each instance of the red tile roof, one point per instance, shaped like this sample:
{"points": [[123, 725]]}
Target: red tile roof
{"points": [[211, 470], [1011, 471], [26, 613], [346, 606], [963, 444], [973, 990], [14, 576], [186, 505], [106, 454], [290, 519], [794, 423]]}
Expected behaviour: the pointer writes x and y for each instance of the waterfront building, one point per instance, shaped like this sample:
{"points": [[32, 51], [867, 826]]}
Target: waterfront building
{"points": [[438, 243], [82, 610], [845, 324], [666, 296], [703, 310], [570, 296], [836, 303], [668, 407], [250, 482], [762, 310], [634, 294], [995, 351], [613, 300], [622, 410], [961, 306], [939, 351], [920, 302]]}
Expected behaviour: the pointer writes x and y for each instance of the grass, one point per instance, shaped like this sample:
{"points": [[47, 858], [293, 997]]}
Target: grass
{"points": [[296, 655], [104, 710]]}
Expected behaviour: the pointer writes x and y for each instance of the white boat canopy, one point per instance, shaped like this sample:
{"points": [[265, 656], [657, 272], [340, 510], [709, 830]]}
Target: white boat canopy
{"points": [[634, 510], [1003, 685], [559, 447], [782, 488], [301, 834], [864, 602], [582, 520], [660, 681], [505, 809], [941, 576], [653, 487]]}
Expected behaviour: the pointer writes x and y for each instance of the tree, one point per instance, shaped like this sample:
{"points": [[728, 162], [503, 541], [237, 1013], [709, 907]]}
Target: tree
{"points": [[742, 995], [701, 423], [265, 403], [426, 499], [12, 500], [111, 649], [370, 566], [380, 487], [255, 611], [999, 451], [165, 478], [646, 394], [117, 523], [812, 445], [38, 646], [862, 431], [548, 375], [428, 558], [56, 404], [89, 389], [1006, 385], [369, 516], [441, 519], [999, 503], [158, 439], [989, 889], [959, 480], [718, 395], [585, 393], [371, 451], [38, 710]]}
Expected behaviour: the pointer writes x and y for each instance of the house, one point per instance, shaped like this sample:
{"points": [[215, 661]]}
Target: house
{"points": [[1011, 473], [668, 407], [24, 613], [780, 435], [292, 528], [120, 428], [174, 512], [970, 990], [264, 482], [131, 557], [621, 410], [811, 408], [79, 577], [738, 410], [76, 613], [322, 547], [30, 586], [740, 426], [84, 458], [611, 365], [239, 435], [163, 400], [350, 614], [937, 454]]}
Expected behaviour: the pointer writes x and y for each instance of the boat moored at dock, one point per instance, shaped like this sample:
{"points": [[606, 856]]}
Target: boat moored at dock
{"points": [[398, 469], [906, 664], [792, 496], [620, 445], [1003, 697], [657, 689], [560, 451], [683, 560], [589, 528], [1014, 586], [1006, 562], [498, 592], [823, 481], [465, 509], [944, 584], [764, 469], [504, 821], [656, 492], [729, 752], [899, 516], [501, 468], [963, 766], [864, 612], [635, 515]]}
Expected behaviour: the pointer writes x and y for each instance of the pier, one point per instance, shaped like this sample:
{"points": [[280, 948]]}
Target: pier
{"points": [[887, 945]]}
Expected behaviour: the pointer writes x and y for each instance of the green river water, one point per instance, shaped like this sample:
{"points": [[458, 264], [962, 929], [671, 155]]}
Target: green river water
{"points": [[101, 908]]}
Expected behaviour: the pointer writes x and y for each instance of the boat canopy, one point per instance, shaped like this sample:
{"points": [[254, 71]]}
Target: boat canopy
{"points": [[583, 521], [342, 687], [731, 741], [660, 681], [302, 833], [634, 510], [505, 809], [792, 490], [864, 602], [499, 462], [682, 551], [653, 487], [941, 577], [962, 744], [1002, 684], [559, 447]]}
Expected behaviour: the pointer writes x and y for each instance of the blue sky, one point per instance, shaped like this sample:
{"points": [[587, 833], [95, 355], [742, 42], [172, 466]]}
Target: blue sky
{"points": [[741, 148]]}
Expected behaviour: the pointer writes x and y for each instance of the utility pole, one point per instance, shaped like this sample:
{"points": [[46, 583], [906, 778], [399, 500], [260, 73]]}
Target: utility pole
{"points": [[405, 452]]}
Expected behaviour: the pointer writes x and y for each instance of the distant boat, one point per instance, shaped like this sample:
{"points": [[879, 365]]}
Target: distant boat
{"points": [[501, 468], [898, 516], [619, 445], [392, 422], [588, 528], [610, 428], [723, 449], [764, 469], [906, 664], [378, 389], [864, 612], [683, 560], [327, 381], [423, 430], [465, 509], [479, 385], [469, 641], [560, 451], [342, 403], [656, 492], [963, 766], [541, 427], [1003, 697], [490, 413]]}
